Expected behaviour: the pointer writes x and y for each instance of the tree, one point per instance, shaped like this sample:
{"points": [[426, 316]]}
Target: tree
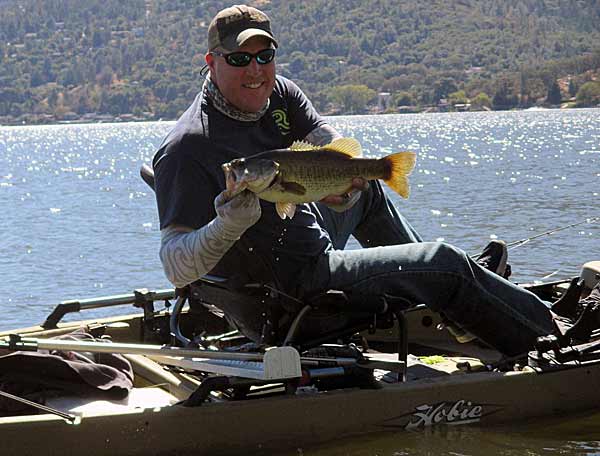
{"points": [[105, 76], [589, 94], [573, 88], [66, 77], [352, 98], [10, 95], [532, 89], [481, 100], [404, 99], [100, 37], [443, 88], [37, 78], [298, 63], [505, 96], [458, 97], [554, 96]]}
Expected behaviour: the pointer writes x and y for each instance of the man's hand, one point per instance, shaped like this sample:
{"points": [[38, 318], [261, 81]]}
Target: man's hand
{"points": [[238, 213], [344, 202]]}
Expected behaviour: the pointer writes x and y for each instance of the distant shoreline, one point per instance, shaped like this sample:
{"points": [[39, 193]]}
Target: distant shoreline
{"points": [[129, 119]]}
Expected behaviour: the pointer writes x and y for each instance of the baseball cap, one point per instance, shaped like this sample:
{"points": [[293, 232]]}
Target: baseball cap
{"points": [[233, 26]]}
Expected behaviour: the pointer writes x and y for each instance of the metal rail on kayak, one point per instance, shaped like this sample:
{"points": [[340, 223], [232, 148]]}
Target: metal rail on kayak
{"points": [[140, 298]]}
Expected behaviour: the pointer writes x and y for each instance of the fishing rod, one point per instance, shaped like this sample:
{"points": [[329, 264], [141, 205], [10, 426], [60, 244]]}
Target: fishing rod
{"points": [[520, 242]]}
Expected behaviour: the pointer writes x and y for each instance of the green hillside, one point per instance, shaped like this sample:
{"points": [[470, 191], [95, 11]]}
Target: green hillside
{"points": [[141, 59]]}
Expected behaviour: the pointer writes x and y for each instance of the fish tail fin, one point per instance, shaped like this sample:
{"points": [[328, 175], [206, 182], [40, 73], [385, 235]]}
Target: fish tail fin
{"points": [[400, 165]]}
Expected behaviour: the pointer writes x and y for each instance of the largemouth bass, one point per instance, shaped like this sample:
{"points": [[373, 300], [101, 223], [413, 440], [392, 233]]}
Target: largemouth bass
{"points": [[305, 173]]}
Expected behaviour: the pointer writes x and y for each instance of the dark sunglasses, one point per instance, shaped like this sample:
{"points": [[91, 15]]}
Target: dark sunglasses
{"points": [[242, 59]]}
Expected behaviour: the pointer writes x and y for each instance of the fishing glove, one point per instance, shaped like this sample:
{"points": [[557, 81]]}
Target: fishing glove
{"points": [[236, 215], [188, 254]]}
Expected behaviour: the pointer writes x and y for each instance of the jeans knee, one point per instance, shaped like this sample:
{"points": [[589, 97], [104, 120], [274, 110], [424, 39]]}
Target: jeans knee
{"points": [[447, 254]]}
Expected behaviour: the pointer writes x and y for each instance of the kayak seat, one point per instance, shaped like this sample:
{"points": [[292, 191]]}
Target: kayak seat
{"points": [[267, 317]]}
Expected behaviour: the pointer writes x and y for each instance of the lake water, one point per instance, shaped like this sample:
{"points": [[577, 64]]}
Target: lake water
{"points": [[78, 222]]}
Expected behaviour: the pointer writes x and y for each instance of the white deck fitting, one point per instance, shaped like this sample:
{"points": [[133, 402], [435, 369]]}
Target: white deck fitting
{"points": [[278, 363]]}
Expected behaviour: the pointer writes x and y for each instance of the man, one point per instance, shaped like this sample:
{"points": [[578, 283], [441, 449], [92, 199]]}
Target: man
{"points": [[244, 108]]}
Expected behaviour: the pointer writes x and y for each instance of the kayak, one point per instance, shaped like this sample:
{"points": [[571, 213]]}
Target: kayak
{"points": [[228, 395]]}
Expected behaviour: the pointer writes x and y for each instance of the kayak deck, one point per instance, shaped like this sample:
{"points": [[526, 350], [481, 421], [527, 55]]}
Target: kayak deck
{"points": [[447, 383]]}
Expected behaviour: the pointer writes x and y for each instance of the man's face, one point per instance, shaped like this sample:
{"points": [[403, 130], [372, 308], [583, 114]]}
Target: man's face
{"points": [[247, 88]]}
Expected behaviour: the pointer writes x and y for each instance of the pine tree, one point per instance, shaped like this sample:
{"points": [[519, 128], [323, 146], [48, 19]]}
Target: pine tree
{"points": [[554, 97]]}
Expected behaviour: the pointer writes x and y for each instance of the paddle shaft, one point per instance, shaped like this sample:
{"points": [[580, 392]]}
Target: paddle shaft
{"points": [[33, 344], [122, 348]]}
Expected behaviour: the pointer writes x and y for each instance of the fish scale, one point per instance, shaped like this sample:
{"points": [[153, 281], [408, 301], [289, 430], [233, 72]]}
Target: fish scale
{"points": [[321, 173]]}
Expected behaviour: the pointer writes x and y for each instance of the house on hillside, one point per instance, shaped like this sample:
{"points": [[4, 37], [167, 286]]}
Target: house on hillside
{"points": [[462, 107]]}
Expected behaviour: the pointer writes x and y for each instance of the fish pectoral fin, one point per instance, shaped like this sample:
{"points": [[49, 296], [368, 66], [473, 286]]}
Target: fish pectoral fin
{"points": [[401, 165], [293, 187], [285, 210]]}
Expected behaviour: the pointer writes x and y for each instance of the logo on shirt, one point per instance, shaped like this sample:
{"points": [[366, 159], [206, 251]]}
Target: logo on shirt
{"points": [[282, 122]]}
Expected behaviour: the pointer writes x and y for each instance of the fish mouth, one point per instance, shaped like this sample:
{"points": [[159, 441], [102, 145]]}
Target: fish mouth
{"points": [[238, 177], [232, 180], [237, 172]]}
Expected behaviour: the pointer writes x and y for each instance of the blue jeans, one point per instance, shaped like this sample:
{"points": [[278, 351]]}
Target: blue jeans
{"points": [[505, 316]]}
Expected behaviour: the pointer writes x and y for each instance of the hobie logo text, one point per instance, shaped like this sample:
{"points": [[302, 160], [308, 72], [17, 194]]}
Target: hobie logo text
{"points": [[459, 412]]}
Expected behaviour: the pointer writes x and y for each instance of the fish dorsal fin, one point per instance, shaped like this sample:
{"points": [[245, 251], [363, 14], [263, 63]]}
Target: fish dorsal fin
{"points": [[347, 146], [303, 145]]}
